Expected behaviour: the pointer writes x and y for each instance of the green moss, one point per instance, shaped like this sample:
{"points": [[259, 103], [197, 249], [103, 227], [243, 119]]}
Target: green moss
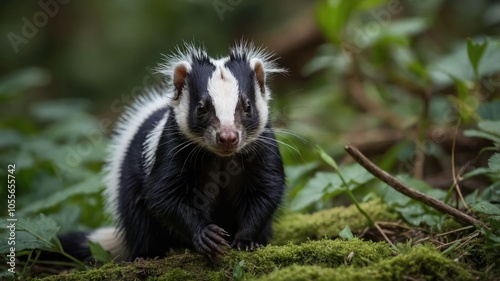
{"points": [[419, 263], [302, 273], [177, 267], [175, 274], [328, 223], [331, 253]]}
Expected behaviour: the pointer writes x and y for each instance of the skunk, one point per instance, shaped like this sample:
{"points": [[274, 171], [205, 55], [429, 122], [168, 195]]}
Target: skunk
{"points": [[194, 164]]}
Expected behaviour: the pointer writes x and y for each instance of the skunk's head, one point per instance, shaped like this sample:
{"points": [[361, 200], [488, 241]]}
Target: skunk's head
{"points": [[221, 104]]}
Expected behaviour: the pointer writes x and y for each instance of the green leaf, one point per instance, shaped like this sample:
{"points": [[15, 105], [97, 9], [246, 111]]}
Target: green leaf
{"points": [[333, 17], [89, 186], [487, 208], [475, 52], [19, 81], [481, 134], [489, 126], [55, 110], [490, 110], [461, 87], [33, 233], [313, 190], [419, 70], [99, 253], [405, 27], [10, 138], [458, 64], [238, 271], [24, 160], [74, 127], [466, 108], [355, 174], [476, 172], [415, 183], [492, 192], [325, 185], [394, 198], [494, 163], [451, 248], [294, 173], [346, 233], [7, 275], [416, 214], [494, 222], [329, 160]]}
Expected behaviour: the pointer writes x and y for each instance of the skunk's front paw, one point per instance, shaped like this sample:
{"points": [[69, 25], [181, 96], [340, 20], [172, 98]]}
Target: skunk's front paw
{"points": [[210, 240], [245, 245]]}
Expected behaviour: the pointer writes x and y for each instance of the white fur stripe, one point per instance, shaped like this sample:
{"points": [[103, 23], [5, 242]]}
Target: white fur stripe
{"points": [[110, 240], [125, 130], [151, 144]]}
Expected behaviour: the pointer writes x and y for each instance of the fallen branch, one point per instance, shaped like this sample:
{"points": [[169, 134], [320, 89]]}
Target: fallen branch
{"points": [[410, 192]]}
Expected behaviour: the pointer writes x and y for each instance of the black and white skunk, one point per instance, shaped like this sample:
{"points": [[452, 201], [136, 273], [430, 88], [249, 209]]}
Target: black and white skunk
{"points": [[195, 165]]}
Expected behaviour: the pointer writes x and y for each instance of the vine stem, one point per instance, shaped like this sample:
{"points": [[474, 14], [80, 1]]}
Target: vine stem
{"points": [[353, 199]]}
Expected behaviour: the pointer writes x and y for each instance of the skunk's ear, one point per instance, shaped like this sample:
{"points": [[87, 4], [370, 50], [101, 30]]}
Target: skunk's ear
{"points": [[258, 67], [181, 71]]}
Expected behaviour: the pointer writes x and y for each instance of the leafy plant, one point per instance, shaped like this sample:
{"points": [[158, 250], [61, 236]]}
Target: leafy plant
{"points": [[57, 155], [380, 63], [239, 271]]}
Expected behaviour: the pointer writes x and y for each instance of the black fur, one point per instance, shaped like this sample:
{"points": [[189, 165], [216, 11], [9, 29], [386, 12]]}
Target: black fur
{"points": [[197, 80]]}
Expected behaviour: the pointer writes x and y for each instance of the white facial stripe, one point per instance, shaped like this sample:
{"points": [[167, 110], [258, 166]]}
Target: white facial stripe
{"points": [[262, 107], [223, 89]]}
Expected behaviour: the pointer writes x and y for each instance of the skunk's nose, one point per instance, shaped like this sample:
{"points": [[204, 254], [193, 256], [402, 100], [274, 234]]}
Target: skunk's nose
{"points": [[227, 138]]}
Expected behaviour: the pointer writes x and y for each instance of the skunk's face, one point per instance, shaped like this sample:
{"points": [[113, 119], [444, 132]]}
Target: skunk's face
{"points": [[221, 104]]}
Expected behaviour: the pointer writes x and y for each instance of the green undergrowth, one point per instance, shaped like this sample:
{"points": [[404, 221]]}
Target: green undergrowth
{"points": [[314, 260]]}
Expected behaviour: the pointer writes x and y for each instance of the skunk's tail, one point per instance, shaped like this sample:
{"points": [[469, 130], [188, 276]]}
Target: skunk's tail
{"points": [[76, 244]]}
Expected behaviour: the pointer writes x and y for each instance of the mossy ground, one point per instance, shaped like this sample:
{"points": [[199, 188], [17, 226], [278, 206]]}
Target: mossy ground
{"points": [[294, 256], [328, 223]]}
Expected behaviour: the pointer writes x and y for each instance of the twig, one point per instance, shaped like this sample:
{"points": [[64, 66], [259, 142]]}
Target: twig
{"points": [[455, 177], [383, 234], [421, 240], [453, 231], [394, 224], [465, 239], [408, 191]]}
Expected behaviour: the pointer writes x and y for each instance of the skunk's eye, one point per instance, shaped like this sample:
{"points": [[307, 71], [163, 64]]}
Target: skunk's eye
{"points": [[201, 109], [248, 107]]}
